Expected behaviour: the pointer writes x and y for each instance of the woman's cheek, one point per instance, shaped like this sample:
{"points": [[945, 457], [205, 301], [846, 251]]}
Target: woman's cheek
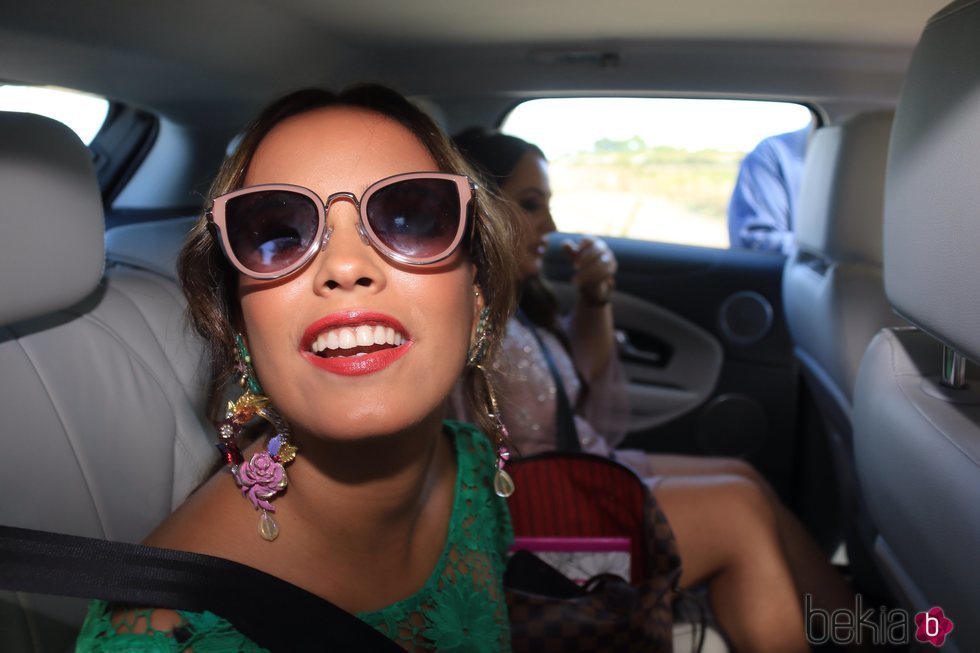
{"points": [[267, 339]]}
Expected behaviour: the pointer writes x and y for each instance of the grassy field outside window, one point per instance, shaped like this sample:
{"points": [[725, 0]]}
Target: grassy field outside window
{"points": [[666, 185]]}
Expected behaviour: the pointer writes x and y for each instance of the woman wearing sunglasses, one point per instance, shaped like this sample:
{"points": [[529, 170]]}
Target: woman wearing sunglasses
{"points": [[732, 531], [347, 271]]}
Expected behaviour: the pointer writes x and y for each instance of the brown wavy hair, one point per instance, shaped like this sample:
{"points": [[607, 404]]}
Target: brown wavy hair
{"points": [[210, 283]]}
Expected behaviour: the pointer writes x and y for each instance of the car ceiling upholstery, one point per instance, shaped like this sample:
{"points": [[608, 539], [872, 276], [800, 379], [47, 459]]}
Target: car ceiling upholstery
{"points": [[206, 67], [142, 51]]}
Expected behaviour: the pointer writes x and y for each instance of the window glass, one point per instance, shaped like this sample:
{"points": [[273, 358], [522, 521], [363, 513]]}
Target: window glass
{"points": [[82, 113], [661, 169]]}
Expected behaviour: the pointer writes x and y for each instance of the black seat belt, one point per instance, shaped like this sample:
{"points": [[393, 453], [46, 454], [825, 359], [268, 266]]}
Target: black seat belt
{"points": [[271, 612], [566, 433]]}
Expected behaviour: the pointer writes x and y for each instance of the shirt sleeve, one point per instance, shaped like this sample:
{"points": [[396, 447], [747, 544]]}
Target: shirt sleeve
{"points": [[606, 405], [759, 210], [201, 632]]}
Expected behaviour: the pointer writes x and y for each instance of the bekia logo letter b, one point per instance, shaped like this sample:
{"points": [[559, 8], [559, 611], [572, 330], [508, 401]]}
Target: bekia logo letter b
{"points": [[932, 626]]}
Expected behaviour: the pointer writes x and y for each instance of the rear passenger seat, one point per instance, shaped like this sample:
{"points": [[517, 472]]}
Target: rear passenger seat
{"points": [[101, 384]]}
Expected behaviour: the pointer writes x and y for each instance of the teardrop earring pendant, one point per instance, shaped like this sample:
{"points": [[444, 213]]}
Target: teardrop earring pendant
{"points": [[503, 484]]}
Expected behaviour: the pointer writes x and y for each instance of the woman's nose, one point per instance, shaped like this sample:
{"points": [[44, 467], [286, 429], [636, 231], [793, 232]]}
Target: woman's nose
{"points": [[346, 260], [547, 224]]}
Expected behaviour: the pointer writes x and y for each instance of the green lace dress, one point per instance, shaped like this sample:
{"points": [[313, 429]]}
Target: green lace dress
{"points": [[460, 608]]}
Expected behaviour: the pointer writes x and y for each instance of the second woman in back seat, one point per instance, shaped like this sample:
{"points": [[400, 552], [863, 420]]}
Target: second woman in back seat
{"points": [[732, 531]]}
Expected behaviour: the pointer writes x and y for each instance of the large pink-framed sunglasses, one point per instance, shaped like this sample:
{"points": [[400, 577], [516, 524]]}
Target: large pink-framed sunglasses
{"points": [[271, 230]]}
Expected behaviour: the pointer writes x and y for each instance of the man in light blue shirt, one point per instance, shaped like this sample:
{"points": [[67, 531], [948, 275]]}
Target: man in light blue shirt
{"points": [[760, 214]]}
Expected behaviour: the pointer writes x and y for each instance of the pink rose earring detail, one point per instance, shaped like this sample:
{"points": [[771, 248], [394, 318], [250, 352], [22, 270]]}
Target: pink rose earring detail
{"points": [[503, 484], [264, 475]]}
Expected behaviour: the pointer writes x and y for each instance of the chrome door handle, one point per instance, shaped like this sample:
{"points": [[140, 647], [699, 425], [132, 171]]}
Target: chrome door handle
{"points": [[628, 350]]}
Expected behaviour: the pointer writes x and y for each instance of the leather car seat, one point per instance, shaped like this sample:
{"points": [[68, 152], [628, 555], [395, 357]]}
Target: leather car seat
{"points": [[834, 296], [917, 399], [101, 384]]}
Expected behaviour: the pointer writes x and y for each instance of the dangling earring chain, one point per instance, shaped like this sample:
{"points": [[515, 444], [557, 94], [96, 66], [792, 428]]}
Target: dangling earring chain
{"points": [[503, 484], [264, 475], [478, 350]]}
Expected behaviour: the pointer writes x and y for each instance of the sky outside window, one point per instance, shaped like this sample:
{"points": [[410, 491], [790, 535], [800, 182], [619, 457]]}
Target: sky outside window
{"points": [[82, 113]]}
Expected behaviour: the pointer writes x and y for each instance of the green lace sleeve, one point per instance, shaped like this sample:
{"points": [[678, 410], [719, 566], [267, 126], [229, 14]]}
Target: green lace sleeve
{"points": [[201, 632]]}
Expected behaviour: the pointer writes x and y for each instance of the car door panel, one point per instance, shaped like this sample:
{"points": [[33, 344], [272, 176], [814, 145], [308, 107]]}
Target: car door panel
{"points": [[706, 350], [672, 364]]}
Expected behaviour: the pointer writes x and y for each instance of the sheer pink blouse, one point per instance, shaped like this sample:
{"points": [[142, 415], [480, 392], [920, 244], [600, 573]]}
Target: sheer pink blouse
{"points": [[527, 395]]}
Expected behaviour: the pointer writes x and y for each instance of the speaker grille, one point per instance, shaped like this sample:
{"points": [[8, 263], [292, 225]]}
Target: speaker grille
{"points": [[745, 317]]}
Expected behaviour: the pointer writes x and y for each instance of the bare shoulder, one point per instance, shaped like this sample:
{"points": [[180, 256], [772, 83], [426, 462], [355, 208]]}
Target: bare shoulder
{"points": [[205, 523], [217, 521]]}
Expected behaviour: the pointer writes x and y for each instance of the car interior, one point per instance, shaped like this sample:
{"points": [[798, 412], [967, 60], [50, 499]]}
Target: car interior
{"points": [[844, 370]]}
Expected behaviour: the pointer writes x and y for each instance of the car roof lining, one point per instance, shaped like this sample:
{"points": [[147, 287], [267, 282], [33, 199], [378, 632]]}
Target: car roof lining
{"points": [[143, 51], [205, 68]]}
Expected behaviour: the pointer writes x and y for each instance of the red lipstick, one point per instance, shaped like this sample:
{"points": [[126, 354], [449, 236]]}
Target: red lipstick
{"points": [[354, 365]]}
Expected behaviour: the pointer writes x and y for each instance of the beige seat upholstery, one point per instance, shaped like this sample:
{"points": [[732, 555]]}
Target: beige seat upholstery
{"points": [[833, 287], [917, 404], [101, 385], [834, 294]]}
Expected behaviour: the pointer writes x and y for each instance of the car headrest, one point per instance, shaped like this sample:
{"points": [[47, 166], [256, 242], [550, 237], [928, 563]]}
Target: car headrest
{"points": [[51, 249], [843, 188], [932, 196]]}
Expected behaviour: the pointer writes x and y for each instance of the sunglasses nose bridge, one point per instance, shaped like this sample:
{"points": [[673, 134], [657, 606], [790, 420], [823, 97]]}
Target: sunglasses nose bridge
{"points": [[349, 197]]}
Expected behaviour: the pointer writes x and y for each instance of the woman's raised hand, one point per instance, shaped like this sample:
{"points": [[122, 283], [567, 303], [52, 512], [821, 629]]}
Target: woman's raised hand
{"points": [[595, 268]]}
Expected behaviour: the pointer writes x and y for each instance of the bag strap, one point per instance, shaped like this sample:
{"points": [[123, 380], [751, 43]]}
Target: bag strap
{"points": [[566, 433], [271, 612]]}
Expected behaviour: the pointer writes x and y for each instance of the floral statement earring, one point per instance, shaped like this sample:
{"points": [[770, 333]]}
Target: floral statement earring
{"points": [[503, 484], [264, 475]]}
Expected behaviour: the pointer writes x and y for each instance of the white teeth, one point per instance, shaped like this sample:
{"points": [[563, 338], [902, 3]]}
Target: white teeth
{"points": [[347, 339], [365, 336], [351, 337]]}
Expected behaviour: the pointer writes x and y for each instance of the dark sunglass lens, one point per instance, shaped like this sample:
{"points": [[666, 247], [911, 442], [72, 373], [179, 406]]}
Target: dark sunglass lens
{"points": [[416, 217], [271, 229]]}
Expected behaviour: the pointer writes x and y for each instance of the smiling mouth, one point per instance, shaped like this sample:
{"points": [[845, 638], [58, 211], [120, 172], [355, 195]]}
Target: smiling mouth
{"points": [[349, 341]]}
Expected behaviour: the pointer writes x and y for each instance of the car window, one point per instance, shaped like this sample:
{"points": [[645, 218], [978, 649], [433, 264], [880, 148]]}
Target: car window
{"points": [[83, 113], [664, 169]]}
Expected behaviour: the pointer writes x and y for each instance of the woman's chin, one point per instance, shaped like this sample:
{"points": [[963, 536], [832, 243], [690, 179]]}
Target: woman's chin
{"points": [[369, 422]]}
